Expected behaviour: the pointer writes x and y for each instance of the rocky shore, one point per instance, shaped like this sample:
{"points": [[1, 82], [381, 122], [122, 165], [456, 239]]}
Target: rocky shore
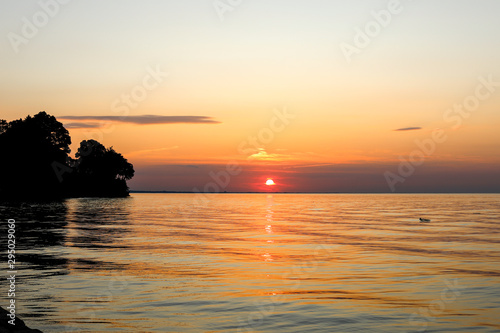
{"points": [[20, 326]]}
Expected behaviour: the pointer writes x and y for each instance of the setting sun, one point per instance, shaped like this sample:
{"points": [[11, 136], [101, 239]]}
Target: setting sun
{"points": [[270, 182]]}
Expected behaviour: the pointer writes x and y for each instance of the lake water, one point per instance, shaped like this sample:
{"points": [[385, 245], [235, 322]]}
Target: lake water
{"points": [[259, 263]]}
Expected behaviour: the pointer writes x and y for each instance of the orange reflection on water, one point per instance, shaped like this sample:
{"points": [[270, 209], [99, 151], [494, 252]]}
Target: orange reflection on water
{"points": [[344, 254]]}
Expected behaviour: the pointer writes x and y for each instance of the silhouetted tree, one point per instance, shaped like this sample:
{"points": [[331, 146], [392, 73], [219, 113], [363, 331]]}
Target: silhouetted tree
{"points": [[101, 171], [3, 125], [28, 149], [34, 162]]}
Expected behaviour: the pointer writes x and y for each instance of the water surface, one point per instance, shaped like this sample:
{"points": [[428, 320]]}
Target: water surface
{"points": [[259, 263]]}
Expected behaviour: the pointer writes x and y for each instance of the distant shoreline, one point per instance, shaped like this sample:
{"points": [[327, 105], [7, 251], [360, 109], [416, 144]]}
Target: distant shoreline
{"points": [[190, 192]]}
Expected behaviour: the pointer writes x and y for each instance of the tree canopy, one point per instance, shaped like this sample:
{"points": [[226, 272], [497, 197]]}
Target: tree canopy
{"points": [[100, 169], [35, 162]]}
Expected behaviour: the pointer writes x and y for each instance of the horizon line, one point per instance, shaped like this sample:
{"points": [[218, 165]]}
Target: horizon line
{"points": [[296, 192]]}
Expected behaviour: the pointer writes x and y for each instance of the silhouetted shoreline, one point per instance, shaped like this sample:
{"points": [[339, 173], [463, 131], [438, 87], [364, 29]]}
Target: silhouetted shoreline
{"points": [[36, 163]]}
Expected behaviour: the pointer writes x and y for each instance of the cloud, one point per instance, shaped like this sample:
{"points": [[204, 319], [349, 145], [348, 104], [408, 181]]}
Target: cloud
{"points": [[82, 125], [263, 155], [408, 129], [145, 119], [149, 152]]}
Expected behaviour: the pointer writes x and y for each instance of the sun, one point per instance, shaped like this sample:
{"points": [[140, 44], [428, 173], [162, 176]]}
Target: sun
{"points": [[270, 182]]}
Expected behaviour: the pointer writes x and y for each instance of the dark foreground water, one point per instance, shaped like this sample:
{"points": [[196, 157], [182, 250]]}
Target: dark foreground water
{"points": [[258, 263]]}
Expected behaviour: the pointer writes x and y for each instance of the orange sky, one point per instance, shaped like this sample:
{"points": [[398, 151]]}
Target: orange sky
{"points": [[169, 59]]}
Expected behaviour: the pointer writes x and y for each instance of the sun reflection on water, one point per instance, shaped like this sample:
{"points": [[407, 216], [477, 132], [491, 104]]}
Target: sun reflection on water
{"points": [[351, 262]]}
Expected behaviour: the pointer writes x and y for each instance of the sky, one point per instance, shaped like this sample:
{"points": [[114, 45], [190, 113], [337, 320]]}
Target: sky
{"points": [[220, 95]]}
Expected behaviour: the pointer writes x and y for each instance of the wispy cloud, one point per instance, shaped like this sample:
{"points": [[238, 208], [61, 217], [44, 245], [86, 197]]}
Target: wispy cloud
{"points": [[261, 154], [151, 151], [282, 155], [144, 119], [81, 125], [408, 129]]}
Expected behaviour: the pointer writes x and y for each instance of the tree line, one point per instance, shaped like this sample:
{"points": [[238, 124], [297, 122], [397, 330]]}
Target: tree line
{"points": [[35, 162]]}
